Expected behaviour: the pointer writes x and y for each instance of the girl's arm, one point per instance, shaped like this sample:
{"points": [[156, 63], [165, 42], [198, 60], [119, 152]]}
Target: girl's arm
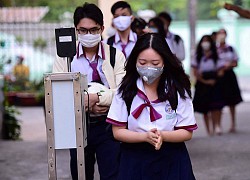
{"points": [[176, 136], [200, 78], [121, 133], [241, 11], [179, 135]]}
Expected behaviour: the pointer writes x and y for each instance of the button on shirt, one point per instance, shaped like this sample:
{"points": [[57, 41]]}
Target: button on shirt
{"points": [[81, 63], [182, 118], [125, 48]]}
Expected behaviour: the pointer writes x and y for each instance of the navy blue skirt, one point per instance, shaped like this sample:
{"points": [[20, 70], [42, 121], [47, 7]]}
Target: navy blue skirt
{"points": [[231, 91], [208, 98], [140, 161]]}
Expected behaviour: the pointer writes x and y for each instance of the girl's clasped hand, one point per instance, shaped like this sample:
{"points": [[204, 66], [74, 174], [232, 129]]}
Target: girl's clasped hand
{"points": [[154, 137]]}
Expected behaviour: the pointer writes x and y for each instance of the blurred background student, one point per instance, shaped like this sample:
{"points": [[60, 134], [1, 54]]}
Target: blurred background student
{"points": [[208, 96], [21, 73], [231, 90], [174, 41], [138, 25]]}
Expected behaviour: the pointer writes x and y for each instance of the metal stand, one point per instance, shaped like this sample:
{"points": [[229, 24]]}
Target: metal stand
{"points": [[69, 64], [57, 87]]}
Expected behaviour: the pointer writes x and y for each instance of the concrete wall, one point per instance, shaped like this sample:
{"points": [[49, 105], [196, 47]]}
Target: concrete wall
{"points": [[105, 6]]}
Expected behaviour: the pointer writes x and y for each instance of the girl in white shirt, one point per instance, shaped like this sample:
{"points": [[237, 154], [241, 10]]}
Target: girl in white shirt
{"points": [[152, 114], [231, 89], [208, 96]]}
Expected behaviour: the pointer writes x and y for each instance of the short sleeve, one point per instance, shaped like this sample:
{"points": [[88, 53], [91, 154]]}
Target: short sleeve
{"points": [[118, 114], [185, 114], [235, 55]]}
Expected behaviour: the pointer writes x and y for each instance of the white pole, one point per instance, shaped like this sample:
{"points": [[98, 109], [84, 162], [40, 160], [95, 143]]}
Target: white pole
{"points": [[192, 23], [105, 7]]}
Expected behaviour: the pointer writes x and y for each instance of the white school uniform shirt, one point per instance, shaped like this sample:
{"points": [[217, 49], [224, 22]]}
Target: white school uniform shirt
{"points": [[129, 46], [177, 49], [80, 63], [206, 64], [227, 54], [183, 118]]}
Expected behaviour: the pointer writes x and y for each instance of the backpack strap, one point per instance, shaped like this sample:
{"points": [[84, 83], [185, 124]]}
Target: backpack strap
{"points": [[230, 48], [177, 38], [112, 51], [111, 40]]}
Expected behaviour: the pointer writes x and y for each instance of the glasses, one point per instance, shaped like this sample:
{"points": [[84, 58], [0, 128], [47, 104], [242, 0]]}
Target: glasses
{"points": [[93, 31]]}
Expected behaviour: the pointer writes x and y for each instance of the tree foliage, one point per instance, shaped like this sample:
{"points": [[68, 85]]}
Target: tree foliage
{"points": [[177, 8], [56, 8]]}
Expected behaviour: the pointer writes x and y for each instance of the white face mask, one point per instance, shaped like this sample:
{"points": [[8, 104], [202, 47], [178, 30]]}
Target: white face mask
{"points": [[153, 30], [205, 45], [89, 40], [122, 22], [221, 38]]}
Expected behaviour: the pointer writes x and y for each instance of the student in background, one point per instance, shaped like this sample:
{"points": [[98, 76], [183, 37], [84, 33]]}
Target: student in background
{"points": [[174, 41], [231, 90], [213, 36], [21, 73], [94, 59], [124, 39], [138, 25], [208, 95], [155, 25], [152, 114]]}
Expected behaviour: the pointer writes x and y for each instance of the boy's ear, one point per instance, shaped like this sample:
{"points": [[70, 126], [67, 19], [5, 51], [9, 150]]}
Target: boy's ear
{"points": [[102, 29], [132, 18]]}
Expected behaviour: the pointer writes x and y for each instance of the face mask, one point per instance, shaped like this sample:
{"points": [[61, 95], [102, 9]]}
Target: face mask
{"points": [[89, 40], [205, 45], [153, 30], [149, 74], [221, 38], [122, 22]]}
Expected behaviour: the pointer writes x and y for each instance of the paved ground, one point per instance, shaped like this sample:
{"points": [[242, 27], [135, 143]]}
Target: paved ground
{"points": [[225, 157]]}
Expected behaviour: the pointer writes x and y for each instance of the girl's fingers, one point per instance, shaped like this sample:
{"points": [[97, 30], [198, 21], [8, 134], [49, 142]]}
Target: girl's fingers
{"points": [[153, 130]]}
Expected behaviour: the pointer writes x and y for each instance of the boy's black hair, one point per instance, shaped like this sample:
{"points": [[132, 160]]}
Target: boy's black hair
{"points": [[120, 4], [90, 11], [138, 23], [165, 16]]}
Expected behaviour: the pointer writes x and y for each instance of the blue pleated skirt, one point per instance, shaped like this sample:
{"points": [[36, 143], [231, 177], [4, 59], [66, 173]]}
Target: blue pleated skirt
{"points": [[141, 161]]}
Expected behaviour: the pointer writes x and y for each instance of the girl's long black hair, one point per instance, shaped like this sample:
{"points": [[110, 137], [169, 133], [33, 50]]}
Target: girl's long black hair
{"points": [[173, 72], [200, 52]]}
